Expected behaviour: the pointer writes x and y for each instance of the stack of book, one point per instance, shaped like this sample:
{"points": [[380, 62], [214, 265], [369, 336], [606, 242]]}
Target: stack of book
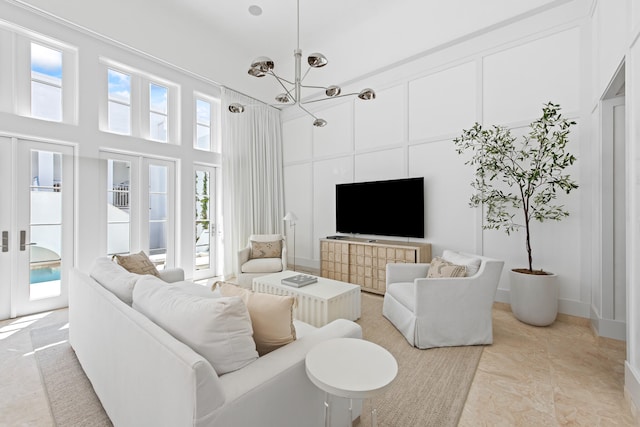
{"points": [[299, 280]]}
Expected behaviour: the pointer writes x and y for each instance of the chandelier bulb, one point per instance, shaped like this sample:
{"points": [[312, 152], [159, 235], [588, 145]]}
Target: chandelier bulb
{"points": [[236, 108], [256, 72], [317, 60], [333, 90], [367, 94], [319, 123], [263, 63], [283, 98]]}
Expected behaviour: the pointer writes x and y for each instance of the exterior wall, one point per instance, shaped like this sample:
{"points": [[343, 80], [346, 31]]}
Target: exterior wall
{"points": [[500, 77]]}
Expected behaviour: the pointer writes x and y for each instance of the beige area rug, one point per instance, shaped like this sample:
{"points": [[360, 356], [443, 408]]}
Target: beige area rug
{"points": [[71, 396], [430, 389], [432, 385]]}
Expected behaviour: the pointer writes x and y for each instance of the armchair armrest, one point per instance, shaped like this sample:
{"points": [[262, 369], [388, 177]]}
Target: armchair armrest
{"points": [[171, 275], [243, 256], [406, 272]]}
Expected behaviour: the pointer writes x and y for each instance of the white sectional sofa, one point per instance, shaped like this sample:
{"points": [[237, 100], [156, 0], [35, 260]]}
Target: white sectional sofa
{"points": [[144, 376]]}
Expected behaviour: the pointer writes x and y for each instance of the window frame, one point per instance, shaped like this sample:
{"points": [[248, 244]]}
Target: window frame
{"points": [[22, 74], [140, 102]]}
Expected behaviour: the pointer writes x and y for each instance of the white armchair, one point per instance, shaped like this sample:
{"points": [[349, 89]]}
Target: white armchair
{"points": [[441, 312], [254, 261]]}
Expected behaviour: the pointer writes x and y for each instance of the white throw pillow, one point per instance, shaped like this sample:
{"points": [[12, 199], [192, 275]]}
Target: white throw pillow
{"points": [[219, 329], [196, 289], [472, 263], [114, 278]]}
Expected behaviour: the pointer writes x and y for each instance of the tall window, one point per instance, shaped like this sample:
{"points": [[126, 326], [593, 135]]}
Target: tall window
{"points": [[119, 102], [46, 83], [203, 125], [158, 112]]}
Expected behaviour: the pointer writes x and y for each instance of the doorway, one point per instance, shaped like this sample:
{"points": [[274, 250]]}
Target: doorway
{"points": [[36, 226]]}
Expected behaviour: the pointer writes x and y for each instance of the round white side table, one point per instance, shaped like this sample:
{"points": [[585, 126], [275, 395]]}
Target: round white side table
{"points": [[351, 368]]}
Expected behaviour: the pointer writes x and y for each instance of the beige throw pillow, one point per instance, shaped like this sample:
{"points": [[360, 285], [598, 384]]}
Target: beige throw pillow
{"points": [[137, 263], [441, 268], [266, 249], [271, 316]]}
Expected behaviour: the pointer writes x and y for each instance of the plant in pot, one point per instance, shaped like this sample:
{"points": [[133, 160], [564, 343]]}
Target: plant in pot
{"points": [[512, 177]]}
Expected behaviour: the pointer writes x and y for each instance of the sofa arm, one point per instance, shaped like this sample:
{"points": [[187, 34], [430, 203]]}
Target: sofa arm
{"points": [[261, 373], [406, 272], [171, 275]]}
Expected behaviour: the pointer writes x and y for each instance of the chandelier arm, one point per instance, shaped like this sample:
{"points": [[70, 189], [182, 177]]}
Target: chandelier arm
{"points": [[307, 111], [326, 99], [280, 79], [315, 87], [305, 74], [285, 88]]}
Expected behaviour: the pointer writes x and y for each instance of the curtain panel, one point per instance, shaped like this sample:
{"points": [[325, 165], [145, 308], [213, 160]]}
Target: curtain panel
{"points": [[252, 174]]}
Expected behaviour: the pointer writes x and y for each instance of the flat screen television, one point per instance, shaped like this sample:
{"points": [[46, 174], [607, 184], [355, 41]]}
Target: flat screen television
{"points": [[383, 208]]}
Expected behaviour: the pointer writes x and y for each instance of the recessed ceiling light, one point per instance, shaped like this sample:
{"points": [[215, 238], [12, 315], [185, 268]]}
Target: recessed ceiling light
{"points": [[255, 10]]}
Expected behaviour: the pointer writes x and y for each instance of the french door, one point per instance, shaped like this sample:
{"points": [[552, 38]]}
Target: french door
{"points": [[140, 201], [36, 226]]}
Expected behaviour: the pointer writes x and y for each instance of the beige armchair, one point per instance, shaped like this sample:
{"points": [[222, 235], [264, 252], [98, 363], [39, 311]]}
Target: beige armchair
{"points": [[443, 311], [264, 254]]}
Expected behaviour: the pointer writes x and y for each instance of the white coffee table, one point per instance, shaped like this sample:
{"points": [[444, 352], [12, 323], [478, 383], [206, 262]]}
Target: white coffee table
{"points": [[318, 303], [350, 368]]}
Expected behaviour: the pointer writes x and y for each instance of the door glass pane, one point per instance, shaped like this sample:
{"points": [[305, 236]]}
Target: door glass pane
{"points": [[202, 223], [45, 233], [118, 207], [158, 208]]}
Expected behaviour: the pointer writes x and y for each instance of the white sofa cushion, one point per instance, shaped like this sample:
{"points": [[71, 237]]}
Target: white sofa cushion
{"points": [[219, 329], [472, 263], [262, 265], [114, 278]]}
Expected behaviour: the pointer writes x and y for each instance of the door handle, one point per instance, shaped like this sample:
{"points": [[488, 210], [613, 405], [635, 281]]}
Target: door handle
{"points": [[23, 236], [5, 241]]}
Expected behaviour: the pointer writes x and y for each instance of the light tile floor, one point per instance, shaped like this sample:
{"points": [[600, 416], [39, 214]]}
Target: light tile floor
{"points": [[530, 376]]}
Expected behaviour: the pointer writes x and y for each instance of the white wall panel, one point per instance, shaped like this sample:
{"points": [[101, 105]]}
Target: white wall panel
{"points": [[379, 165], [518, 81], [612, 29], [450, 222], [296, 140], [443, 103], [337, 136], [326, 174], [298, 198], [381, 121]]}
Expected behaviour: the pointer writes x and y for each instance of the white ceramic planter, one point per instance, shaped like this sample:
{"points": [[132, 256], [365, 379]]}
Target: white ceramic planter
{"points": [[534, 298]]}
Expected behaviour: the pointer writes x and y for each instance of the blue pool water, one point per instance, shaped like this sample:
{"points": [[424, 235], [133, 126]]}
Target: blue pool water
{"points": [[45, 274]]}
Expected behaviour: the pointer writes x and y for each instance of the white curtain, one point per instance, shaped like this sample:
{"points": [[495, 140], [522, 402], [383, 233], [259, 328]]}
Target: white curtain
{"points": [[252, 182]]}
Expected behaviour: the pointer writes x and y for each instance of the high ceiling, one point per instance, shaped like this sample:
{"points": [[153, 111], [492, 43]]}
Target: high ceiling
{"points": [[218, 38]]}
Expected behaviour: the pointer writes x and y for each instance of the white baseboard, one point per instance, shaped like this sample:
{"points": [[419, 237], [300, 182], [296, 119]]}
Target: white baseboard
{"points": [[632, 389], [615, 329]]}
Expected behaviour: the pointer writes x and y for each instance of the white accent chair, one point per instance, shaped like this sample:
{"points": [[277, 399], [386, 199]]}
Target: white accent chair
{"points": [[441, 312], [249, 268]]}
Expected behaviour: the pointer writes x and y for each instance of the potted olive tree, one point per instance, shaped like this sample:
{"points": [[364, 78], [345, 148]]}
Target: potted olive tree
{"points": [[516, 182]]}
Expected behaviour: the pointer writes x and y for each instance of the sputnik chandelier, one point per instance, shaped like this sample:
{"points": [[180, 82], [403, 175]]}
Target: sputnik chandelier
{"points": [[292, 94]]}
